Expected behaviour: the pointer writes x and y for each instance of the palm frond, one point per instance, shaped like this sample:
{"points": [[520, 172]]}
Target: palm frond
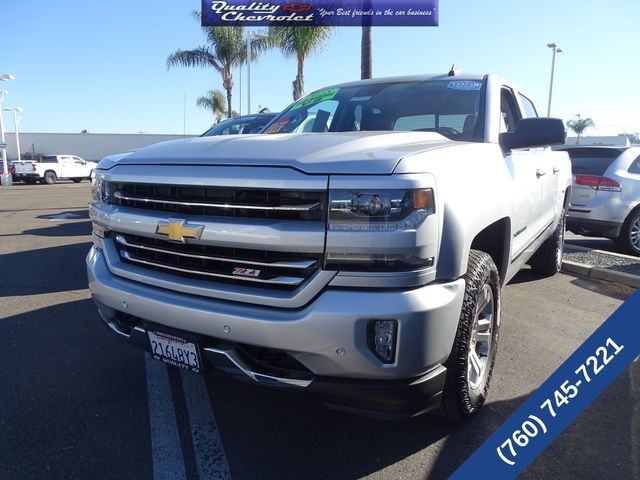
{"points": [[198, 57]]}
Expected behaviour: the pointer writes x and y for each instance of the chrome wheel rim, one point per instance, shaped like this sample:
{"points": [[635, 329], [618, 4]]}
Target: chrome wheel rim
{"points": [[634, 233], [481, 337]]}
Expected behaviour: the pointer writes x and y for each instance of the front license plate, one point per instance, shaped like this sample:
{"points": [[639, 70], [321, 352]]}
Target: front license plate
{"points": [[174, 350]]}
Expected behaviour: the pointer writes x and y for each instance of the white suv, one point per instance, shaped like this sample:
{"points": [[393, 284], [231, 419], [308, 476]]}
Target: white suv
{"points": [[605, 199]]}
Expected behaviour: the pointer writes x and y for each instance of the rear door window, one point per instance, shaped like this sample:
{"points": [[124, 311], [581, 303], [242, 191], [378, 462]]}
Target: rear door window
{"points": [[591, 161]]}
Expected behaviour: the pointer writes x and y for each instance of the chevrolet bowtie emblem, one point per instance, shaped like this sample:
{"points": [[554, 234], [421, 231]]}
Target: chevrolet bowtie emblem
{"points": [[178, 230]]}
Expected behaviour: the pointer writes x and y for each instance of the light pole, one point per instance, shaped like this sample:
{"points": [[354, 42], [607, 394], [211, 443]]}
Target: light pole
{"points": [[6, 178], [250, 38], [16, 121], [556, 49]]}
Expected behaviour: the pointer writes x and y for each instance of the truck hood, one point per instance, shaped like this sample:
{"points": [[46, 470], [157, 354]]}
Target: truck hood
{"points": [[314, 153]]}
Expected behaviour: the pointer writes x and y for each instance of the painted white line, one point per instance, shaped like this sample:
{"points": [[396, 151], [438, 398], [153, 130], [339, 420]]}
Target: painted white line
{"points": [[168, 462], [207, 444], [634, 387]]}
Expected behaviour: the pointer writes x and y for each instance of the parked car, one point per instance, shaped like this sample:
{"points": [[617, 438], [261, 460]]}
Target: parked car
{"points": [[241, 125], [362, 262], [51, 168], [10, 166], [605, 199]]}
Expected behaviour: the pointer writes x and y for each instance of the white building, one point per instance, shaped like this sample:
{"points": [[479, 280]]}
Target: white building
{"points": [[90, 146], [611, 141]]}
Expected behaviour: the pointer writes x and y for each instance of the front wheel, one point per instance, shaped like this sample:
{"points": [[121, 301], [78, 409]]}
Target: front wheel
{"points": [[547, 261], [470, 364], [629, 239]]}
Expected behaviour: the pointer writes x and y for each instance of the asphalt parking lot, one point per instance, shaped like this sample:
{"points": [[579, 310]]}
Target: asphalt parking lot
{"points": [[75, 402]]}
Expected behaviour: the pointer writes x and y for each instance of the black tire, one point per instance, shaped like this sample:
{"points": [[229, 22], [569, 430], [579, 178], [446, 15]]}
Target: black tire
{"points": [[466, 387], [50, 177], [30, 181], [629, 239], [547, 261], [76, 180]]}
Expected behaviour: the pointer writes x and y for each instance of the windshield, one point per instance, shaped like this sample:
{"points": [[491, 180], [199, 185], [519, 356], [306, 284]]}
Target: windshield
{"points": [[448, 107], [239, 125]]}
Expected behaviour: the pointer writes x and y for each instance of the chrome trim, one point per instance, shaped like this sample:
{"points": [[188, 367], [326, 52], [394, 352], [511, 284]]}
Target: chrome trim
{"points": [[519, 231], [290, 281], [255, 376], [278, 208], [301, 264], [535, 239]]}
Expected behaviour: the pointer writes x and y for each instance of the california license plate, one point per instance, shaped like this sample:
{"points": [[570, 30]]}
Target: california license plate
{"points": [[174, 350]]}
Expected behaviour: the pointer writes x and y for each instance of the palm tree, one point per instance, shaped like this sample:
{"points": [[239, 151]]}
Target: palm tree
{"points": [[299, 42], [366, 67], [579, 125], [214, 102], [226, 48]]}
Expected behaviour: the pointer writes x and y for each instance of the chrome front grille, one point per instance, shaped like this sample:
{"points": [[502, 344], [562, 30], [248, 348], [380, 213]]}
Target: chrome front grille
{"points": [[219, 201], [258, 268]]}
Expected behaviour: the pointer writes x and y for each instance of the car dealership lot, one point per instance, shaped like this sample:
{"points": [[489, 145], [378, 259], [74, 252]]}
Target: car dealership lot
{"points": [[77, 403]]}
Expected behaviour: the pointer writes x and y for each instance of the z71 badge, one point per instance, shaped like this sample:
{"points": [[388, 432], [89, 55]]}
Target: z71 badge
{"points": [[246, 272]]}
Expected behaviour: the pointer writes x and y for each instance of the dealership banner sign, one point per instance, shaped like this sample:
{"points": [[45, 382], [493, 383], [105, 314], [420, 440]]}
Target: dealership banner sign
{"points": [[561, 398], [346, 13]]}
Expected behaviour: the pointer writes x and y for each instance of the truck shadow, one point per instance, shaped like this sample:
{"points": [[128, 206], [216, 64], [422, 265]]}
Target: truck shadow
{"points": [[44, 270], [294, 437]]}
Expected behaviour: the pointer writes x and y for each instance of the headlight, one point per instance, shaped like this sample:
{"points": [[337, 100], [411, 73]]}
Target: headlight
{"points": [[98, 189], [379, 210]]}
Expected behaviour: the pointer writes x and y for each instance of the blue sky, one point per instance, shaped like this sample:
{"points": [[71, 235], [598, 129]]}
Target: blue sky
{"points": [[100, 66]]}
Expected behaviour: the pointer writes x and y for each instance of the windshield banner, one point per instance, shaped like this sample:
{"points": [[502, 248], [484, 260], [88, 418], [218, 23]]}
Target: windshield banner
{"points": [[559, 400], [345, 13]]}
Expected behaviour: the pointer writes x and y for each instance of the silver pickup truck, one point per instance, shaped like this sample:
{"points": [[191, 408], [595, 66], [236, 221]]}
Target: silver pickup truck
{"points": [[361, 262]]}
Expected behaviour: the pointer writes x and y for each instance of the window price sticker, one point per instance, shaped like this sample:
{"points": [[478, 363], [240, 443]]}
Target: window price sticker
{"points": [[561, 398]]}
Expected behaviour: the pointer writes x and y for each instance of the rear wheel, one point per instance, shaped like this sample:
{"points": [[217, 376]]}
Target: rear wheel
{"points": [[547, 260], [629, 239], [76, 180], [50, 177], [470, 364]]}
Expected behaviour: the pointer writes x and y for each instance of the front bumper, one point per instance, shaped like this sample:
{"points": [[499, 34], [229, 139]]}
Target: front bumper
{"points": [[328, 336]]}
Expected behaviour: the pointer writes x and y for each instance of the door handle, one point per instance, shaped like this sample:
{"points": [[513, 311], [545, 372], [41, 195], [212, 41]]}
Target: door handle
{"points": [[555, 170], [540, 173]]}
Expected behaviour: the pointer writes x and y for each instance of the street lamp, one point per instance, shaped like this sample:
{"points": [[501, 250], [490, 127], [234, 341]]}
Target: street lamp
{"points": [[250, 38], [16, 121], [556, 49], [5, 179]]}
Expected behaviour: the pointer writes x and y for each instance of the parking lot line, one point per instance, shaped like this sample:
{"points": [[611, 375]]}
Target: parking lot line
{"points": [[168, 462], [207, 444]]}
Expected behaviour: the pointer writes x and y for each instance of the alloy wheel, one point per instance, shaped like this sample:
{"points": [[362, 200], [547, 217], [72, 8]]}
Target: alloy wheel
{"points": [[481, 337]]}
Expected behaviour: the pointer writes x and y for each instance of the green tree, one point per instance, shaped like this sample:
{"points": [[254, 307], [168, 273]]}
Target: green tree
{"points": [[579, 125], [299, 43], [226, 48], [214, 102]]}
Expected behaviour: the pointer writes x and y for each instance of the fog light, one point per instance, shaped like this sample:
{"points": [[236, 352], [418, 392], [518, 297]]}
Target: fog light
{"points": [[382, 335]]}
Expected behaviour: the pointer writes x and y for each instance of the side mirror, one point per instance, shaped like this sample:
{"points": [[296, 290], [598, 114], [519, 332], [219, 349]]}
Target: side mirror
{"points": [[535, 132]]}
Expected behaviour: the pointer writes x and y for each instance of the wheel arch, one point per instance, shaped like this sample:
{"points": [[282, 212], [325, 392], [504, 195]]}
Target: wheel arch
{"points": [[495, 241]]}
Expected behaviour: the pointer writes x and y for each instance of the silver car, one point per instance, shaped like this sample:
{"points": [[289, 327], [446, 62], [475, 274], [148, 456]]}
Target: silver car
{"points": [[605, 199]]}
